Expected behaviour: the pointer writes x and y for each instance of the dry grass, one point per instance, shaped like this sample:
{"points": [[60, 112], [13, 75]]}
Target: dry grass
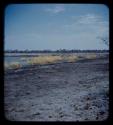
{"points": [[44, 59], [71, 58], [47, 59], [91, 56], [51, 59]]}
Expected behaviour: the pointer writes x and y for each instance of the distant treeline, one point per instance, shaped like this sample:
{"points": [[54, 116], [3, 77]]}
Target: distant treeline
{"points": [[55, 51]]}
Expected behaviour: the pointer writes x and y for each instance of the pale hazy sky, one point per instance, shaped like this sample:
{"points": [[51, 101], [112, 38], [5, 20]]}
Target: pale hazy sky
{"points": [[56, 26]]}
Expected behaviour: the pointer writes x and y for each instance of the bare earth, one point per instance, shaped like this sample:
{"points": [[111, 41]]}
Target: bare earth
{"points": [[59, 92]]}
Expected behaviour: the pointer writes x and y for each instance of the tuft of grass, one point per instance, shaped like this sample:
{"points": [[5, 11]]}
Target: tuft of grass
{"points": [[44, 59]]}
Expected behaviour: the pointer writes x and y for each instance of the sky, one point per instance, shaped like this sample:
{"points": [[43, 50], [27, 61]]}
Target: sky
{"points": [[56, 26]]}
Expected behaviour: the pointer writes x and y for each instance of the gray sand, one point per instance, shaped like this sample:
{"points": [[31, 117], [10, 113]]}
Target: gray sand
{"points": [[59, 92]]}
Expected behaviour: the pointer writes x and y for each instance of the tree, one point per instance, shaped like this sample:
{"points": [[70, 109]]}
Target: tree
{"points": [[105, 40]]}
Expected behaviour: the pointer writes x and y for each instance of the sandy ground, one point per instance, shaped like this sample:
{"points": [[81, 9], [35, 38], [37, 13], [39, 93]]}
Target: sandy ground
{"points": [[58, 92]]}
